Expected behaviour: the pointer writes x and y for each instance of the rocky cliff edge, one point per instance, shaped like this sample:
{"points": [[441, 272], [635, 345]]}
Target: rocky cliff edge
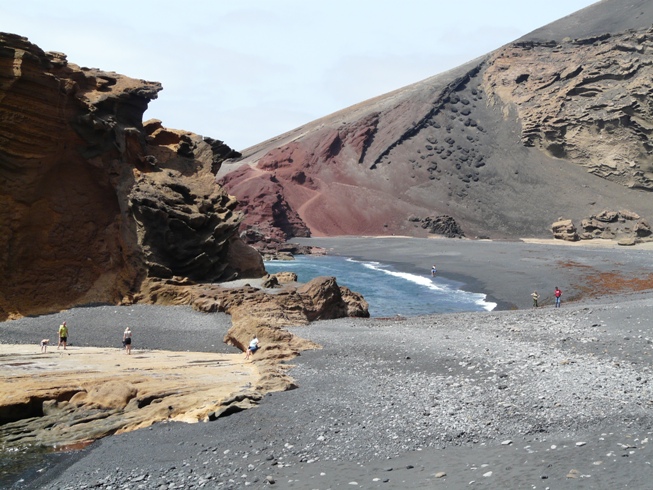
{"points": [[94, 203]]}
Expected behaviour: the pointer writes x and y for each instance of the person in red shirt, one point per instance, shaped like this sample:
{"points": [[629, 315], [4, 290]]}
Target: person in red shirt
{"points": [[557, 293]]}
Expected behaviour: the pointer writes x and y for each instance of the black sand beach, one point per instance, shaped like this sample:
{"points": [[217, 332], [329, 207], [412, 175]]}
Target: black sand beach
{"points": [[545, 398], [507, 271]]}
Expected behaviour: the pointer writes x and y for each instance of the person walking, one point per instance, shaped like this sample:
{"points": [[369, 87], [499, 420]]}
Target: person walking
{"points": [[434, 270], [557, 293], [535, 297], [127, 340], [63, 336]]}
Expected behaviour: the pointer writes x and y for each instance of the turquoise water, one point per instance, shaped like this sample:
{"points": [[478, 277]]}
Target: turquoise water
{"points": [[388, 291]]}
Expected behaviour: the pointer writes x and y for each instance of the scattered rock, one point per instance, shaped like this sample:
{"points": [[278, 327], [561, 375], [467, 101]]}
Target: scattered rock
{"points": [[564, 230]]}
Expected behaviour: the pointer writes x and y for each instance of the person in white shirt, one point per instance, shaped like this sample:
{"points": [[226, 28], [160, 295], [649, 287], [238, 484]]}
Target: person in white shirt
{"points": [[253, 347], [127, 340]]}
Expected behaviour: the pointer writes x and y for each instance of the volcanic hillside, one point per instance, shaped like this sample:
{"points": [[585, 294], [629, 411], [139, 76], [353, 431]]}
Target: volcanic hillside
{"points": [[556, 124]]}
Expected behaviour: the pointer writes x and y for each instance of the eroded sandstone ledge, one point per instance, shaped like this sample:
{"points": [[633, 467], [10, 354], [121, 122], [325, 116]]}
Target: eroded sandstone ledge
{"points": [[62, 398]]}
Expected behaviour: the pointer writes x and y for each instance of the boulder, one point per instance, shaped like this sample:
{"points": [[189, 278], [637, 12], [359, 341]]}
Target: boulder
{"points": [[642, 229], [285, 277], [628, 241], [592, 224], [442, 225], [628, 215], [564, 230], [607, 216]]}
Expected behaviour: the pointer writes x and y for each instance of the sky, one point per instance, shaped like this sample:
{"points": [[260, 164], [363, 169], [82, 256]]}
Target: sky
{"points": [[244, 71]]}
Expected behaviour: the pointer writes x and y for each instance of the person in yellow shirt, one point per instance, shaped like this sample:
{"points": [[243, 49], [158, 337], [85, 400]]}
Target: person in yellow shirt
{"points": [[63, 336]]}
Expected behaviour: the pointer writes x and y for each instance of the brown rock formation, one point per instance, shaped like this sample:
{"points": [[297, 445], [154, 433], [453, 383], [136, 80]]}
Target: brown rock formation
{"points": [[584, 100], [558, 122], [92, 201], [624, 225], [564, 229], [256, 311]]}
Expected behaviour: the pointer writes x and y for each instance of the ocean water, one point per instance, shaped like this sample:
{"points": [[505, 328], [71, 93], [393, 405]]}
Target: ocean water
{"points": [[388, 291]]}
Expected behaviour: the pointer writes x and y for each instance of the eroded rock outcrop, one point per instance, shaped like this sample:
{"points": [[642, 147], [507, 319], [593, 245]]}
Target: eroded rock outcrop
{"points": [[564, 229], [586, 100], [261, 312], [93, 201], [625, 226], [83, 394], [90, 393]]}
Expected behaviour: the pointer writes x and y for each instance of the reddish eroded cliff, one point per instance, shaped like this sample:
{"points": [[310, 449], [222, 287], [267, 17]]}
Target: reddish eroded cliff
{"points": [[93, 202]]}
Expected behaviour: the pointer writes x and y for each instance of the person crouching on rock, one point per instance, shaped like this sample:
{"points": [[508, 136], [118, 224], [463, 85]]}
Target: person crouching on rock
{"points": [[253, 347]]}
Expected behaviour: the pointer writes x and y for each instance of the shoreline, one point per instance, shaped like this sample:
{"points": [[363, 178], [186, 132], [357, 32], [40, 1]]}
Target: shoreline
{"points": [[418, 396], [508, 399], [507, 272]]}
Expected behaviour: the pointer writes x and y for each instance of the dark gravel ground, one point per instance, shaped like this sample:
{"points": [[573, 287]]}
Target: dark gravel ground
{"points": [[547, 398], [154, 327]]}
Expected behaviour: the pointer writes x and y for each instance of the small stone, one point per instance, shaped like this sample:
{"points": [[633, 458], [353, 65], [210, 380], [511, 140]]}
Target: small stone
{"points": [[579, 444], [440, 474], [506, 442], [573, 474]]}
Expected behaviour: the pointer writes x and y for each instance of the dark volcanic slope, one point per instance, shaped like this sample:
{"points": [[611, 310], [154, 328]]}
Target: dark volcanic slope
{"points": [[554, 125], [605, 17]]}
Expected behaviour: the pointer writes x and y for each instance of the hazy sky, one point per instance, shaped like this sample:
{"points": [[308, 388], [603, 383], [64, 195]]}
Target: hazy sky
{"points": [[243, 71]]}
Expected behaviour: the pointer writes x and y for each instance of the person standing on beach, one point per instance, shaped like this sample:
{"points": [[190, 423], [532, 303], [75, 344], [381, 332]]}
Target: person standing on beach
{"points": [[63, 336], [433, 270], [535, 297], [127, 340], [557, 293]]}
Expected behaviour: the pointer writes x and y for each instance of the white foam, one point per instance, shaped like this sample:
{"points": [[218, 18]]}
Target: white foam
{"points": [[478, 298]]}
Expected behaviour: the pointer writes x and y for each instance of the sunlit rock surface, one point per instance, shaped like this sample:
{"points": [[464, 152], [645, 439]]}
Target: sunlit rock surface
{"points": [[80, 394]]}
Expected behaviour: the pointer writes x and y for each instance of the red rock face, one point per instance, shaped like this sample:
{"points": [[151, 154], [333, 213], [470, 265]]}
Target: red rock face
{"points": [[91, 202]]}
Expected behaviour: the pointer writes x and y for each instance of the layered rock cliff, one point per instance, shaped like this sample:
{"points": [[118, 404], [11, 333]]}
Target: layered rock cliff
{"points": [[584, 100], [94, 203], [557, 124]]}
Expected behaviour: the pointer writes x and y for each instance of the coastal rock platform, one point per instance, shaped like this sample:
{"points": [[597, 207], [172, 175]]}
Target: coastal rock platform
{"points": [[77, 395]]}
